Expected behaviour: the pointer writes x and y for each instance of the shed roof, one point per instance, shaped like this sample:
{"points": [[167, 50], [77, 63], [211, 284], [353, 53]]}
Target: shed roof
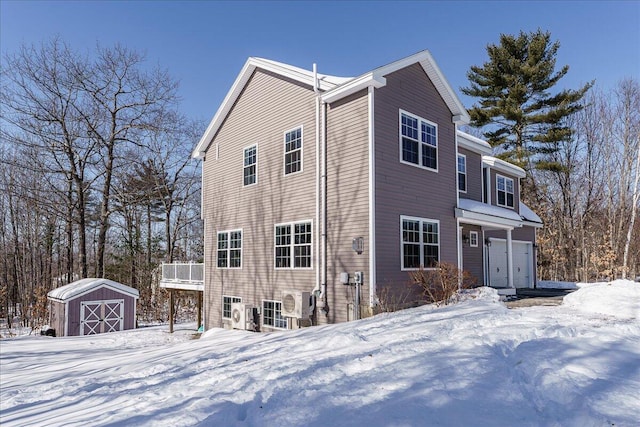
{"points": [[84, 286]]}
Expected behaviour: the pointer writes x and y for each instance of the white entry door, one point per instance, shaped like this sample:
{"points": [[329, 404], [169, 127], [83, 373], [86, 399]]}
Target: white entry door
{"points": [[522, 257], [97, 317]]}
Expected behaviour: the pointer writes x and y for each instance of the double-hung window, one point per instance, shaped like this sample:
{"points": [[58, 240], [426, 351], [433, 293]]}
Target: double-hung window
{"points": [[462, 173], [226, 305], [473, 239], [272, 315], [250, 165], [418, 141], [420, 242], [293, 245], [504, 191], [230, 249], [293, 151]]}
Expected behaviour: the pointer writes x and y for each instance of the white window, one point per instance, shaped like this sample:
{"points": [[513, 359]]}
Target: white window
{"points": [[293, 245], [230, 249], [293, 151], [462, 173], [226, 305], [420, 242], [473, 239], [504, 191], [250, 165], [418, 141], [272, 315]]}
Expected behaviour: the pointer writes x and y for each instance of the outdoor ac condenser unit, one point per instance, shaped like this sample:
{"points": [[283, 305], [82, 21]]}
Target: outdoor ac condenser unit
{"points": [[295, 304], [242, 316]]}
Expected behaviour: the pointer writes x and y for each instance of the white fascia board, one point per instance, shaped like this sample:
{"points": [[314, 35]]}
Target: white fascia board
{"points": [[476, 218], [353, 86], [472, 143], [206, 139], [325, 83], [503, 166]]}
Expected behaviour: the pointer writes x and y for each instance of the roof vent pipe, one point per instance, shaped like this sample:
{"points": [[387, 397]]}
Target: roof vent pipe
{"points": [[315, 78]]}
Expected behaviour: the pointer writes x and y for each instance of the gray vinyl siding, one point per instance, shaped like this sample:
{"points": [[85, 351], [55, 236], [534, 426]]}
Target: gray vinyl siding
{"points": [[347, 201], [472, 257], [56, 317], [403, 189], [474, 175], [516, 189], [268, 107]]}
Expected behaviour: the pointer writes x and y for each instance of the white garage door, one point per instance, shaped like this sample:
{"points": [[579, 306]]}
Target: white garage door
{"points": [[522, 264], [97, 317]]}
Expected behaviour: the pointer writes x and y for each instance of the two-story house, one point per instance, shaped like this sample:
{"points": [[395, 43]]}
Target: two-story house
{"points": [[311, 181]]}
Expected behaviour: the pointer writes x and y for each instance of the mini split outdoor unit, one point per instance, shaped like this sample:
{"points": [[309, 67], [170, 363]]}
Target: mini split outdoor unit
{"points": [[242, 316], [295, 304]]}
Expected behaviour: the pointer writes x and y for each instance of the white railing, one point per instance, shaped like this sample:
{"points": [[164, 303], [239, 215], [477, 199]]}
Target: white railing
{"points": [[183, 272]]}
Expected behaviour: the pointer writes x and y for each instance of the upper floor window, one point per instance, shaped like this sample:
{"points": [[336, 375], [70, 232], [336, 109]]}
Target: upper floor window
{"points": [[272, 315], [250, 163], [293, 245], [418, 141], [226, 305], [462, 173], [420, 243], [504, 191], [230, 249], [293, 151]]}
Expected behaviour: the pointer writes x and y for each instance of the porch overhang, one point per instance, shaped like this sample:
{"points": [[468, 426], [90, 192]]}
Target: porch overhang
{"points": [[478, 213]]}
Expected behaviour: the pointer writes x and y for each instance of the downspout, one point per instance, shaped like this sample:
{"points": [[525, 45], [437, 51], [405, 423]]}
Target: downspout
{"points": [[373, 298], [320, 290], [316, 289]]}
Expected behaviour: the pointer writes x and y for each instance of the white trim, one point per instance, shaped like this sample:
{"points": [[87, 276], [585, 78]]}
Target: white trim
{"points": [[472, 143], [372, 200], [84, 286], [262, 310], [458, 173], [228, 296], [376, 79], [421, 243], [292, 245], [229, 249], [506, 193], [504, 167], [284, 151], [325, 82], [255, 164], [419, 141], [471, 234]]}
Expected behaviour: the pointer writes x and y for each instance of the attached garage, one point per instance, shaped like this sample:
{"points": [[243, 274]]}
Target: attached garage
{"points": [[92, 306], [523, 275]]}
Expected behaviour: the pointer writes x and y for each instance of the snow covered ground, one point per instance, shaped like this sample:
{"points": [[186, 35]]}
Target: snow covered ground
{"points": [[472, 364]]}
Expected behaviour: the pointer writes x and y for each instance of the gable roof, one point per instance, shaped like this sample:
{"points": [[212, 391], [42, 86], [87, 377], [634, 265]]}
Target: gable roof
{"points": [[334, 88], [83, 286], [376, 79], [325, 82]]}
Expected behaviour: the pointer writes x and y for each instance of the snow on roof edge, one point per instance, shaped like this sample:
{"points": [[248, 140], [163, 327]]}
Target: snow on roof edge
{"points": [[82, 286]]}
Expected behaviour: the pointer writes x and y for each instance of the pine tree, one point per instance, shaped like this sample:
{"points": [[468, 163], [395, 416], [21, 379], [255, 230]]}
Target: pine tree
{"points": [[524, 120]]}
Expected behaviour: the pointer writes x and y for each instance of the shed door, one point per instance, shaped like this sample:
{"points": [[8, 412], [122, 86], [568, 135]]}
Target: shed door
{"points": [[97, 317]]}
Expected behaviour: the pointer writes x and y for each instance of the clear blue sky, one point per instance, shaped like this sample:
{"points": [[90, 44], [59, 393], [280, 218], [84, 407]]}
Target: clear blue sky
{"points": [[205, 44]]}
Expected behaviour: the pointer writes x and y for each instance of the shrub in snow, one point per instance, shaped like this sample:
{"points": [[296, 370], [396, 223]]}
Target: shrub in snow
{"points": [[441, 284]]}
